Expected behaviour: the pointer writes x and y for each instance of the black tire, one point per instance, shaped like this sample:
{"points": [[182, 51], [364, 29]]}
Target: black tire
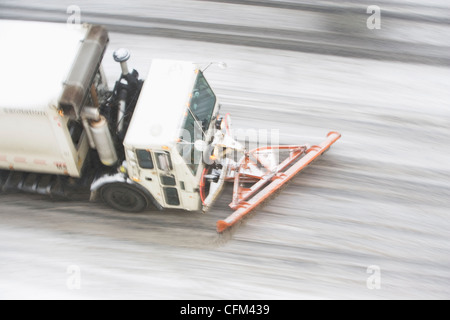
{"points": [[124, 198]]}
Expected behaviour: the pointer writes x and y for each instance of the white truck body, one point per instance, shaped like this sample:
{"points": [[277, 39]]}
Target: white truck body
{"points": [[37, 59]]}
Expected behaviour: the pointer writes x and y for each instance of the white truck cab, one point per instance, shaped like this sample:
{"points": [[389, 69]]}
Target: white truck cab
{"points": [[176, 108]]}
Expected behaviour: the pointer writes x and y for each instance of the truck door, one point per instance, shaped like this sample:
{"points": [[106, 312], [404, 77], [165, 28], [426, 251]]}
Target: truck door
{"points": [[157, 175]]}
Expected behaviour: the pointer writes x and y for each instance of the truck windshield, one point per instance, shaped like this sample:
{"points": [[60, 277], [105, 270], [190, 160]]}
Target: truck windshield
{"points": [[197, 120]]}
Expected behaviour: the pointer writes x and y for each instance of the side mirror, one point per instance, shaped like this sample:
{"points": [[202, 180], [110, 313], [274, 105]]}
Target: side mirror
{"points": [[200, 145]]}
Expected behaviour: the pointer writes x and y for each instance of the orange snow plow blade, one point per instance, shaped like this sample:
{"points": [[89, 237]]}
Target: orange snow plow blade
{"points": [[266, 177]]}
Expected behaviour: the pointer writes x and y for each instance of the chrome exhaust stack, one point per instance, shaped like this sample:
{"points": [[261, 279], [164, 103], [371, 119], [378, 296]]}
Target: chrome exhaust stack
{"points": [[122, 56]]}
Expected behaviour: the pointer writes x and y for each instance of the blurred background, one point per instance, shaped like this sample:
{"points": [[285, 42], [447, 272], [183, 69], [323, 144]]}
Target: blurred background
{"points": [[369, 220]]}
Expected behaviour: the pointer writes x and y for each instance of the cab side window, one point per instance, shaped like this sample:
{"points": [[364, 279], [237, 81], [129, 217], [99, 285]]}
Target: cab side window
{"points": [[145, 159]]}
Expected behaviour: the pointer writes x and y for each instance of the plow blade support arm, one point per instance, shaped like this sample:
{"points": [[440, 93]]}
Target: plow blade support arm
{"points": [[278, 181]]}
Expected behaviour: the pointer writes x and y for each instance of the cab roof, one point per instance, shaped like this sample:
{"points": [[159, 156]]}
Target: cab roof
{"points": [[162, 104]]}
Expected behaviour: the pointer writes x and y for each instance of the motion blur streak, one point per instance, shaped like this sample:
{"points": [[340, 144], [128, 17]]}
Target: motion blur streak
{"points": [[378, 200]]}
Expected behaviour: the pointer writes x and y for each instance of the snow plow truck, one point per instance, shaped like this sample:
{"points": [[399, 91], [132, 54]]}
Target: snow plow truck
{"points": [[140, 145]]}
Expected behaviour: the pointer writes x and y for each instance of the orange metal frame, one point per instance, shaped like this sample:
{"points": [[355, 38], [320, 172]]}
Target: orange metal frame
{"points": [[266, 179]]}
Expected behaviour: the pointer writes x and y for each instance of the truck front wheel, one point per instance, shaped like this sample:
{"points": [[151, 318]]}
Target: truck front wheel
{"points": [[124, 198]]}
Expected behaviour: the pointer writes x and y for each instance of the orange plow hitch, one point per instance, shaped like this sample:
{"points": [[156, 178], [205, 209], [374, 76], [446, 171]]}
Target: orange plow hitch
{"points": [[265, 170]]}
